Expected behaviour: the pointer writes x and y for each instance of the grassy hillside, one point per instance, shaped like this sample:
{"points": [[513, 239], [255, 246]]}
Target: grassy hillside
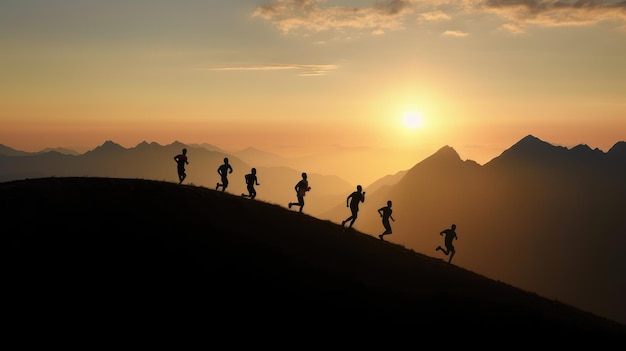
{"points": [[92, 248]]}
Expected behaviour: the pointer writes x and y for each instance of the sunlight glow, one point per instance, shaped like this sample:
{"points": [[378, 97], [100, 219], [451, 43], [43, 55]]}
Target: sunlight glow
{"points": [[412, 120]]}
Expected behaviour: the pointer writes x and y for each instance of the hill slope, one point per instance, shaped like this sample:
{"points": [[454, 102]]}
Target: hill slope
{"points": [[155, 250], [539, 217]]}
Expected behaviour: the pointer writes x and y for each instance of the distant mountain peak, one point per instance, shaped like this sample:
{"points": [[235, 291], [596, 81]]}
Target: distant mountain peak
{"points": [[108, 146], [60, 150], [7, 151], [444, 157], [582, 148], [530, 142], [445, 154], [529, 139], [618, 149], [532, 150], [178, 144], [530, 147], [144, 145]]}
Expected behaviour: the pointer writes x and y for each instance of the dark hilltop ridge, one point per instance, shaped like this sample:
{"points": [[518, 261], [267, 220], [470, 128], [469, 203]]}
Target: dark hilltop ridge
{"points": [[154, 252]]}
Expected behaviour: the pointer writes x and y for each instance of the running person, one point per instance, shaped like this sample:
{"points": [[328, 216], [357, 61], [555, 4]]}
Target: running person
{"points": [[181, 161], [450, 235], [251, 180], [353, 201], [224, 170], [301, 188], [385, 213]]}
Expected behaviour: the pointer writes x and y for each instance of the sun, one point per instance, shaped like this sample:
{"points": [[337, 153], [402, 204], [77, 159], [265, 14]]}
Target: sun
{"points": [[412, 120]]}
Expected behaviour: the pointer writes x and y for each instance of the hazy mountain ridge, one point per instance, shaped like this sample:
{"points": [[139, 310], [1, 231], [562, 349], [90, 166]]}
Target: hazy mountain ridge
{"points": [[545, 218], [7, 151], [531, 150], [153, 161], [539, 216], [185, 252]]}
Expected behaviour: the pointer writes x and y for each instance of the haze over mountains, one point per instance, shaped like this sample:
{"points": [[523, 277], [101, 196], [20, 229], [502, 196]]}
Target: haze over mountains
{"points": [[544, 218]]}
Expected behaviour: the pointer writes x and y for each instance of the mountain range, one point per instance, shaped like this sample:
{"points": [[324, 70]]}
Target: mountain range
{"points": [[544, 218]]}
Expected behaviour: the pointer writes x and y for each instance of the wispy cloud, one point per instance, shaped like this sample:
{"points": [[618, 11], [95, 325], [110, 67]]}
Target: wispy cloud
{"points": [[550, 13], [311, 16], [454, 33], [433, 16], [305, 70]]}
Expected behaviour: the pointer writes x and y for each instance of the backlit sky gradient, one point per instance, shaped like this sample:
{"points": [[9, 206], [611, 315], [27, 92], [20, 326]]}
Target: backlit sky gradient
{"points": [[303, 77]]}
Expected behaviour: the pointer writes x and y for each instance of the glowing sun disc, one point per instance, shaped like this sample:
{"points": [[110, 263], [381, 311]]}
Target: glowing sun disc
{"points": [[412, 120]]}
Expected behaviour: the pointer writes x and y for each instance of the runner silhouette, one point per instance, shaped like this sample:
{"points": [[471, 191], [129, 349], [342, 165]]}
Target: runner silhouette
{"points": [[301, 188], [450, 235], [224, 170], [385, 213], [251, 180], [353, 201], [181, 160]]}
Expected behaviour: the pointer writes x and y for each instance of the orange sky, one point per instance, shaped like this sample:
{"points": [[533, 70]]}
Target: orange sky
{"points": [[297, 78]]}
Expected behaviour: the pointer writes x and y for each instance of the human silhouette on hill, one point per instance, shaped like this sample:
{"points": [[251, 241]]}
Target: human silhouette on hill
{"points": [[251, 180], [385, 213], [301, 189], [181, 160], [223, 171], [450, 235], [353, 201]]}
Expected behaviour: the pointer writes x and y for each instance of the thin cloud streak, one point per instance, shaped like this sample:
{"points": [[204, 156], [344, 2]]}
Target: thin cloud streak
{"points": [[520, 13], [310, 16], [433, 16], [454, 33], [306, 70]]}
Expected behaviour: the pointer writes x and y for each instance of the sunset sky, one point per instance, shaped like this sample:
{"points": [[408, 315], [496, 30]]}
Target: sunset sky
{"points": [[301, 77]]}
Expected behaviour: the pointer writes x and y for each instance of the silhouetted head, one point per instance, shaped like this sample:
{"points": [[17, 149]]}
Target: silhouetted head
{"points": [[225, 159], [184, 151], [359, 188], [253, 170], [389, 203], [453, 226], [304, 175]]}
